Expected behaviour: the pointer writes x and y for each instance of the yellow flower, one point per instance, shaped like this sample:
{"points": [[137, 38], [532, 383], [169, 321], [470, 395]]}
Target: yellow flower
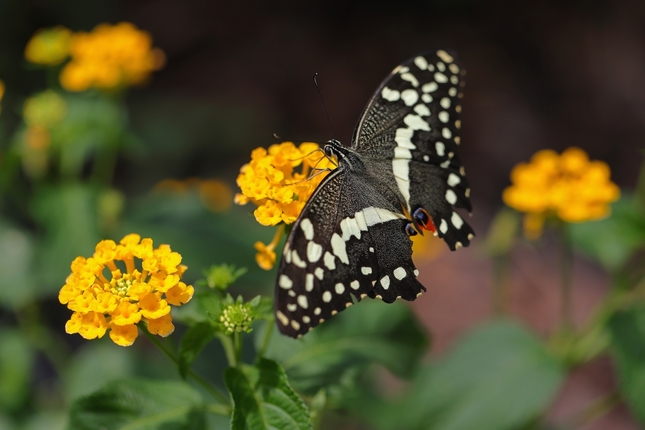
{"points": [[272, 183], [568, 186], [110, 57], [49, 46], [121, 285]]}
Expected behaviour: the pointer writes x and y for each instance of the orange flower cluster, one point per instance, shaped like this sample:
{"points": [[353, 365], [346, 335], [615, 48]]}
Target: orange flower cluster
{"points": [[569, 186], [271, 181], [103, 297], [110, 57]]}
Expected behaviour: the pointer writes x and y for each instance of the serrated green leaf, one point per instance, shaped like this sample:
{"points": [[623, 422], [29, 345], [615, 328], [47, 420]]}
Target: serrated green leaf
{"points": [[498, 377], [139, 405], [195, 339], [263, 399], [370, 332], [628, 343]]}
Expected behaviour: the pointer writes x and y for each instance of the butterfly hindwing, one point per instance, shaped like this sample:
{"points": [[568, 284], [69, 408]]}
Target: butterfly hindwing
{"points": [[348, 243], [409, 132]]}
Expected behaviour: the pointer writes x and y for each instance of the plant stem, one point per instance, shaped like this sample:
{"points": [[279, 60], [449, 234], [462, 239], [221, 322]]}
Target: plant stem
{"points": [[501, 285], [566, 270], [222, 398], [237, 343], [229, 349], [267, 337]]}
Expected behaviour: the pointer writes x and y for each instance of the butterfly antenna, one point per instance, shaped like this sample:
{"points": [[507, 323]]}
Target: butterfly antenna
{"points": [[331, 134]]}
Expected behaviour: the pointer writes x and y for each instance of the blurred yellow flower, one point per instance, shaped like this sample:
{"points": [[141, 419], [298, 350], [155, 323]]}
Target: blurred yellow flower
{"points": [[49, 46], [44, 110], [110, 57], [104, 297], [266, 253], [569, 186], [271, 182], [215, 195]]}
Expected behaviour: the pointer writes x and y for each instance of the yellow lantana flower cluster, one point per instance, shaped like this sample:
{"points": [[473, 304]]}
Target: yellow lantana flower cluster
{"points": [[49, 46], [110, 57], [569, 186], [103, 296], [271, 181]]}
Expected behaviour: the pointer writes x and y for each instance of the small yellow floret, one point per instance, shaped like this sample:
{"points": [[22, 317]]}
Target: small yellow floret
{"points": [[49, 46]]}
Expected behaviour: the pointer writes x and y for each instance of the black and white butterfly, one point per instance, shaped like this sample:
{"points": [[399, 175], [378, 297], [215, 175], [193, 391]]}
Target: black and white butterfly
{"points": [[400, 175]]}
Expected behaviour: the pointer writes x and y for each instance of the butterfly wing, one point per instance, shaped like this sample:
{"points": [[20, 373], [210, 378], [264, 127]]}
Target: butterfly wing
{"points": [[348, 243], [408, 136]]}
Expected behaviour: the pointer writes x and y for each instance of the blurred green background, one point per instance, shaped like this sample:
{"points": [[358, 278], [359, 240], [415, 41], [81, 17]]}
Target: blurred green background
{"points": [[540, 75]]}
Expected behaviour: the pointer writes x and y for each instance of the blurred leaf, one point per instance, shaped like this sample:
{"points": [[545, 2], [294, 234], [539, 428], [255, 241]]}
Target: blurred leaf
{"points": [[68, 215], [96, 364], [139, 404], [503, 232], [628, 341], [94, 122], [201, 237], [612, 241], [498, 377], [194, 340], [16, 359], [16, 266], [45, 420], [263, 399], [369, 332]]}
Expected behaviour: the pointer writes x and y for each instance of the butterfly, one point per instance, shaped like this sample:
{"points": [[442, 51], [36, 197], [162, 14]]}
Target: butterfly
{"points": [[400, 175]]}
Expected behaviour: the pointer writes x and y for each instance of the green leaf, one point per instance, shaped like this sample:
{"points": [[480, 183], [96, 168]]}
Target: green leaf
{"points": [[16, 359], [263, 399], [17, 283], [612, 241], [498, 377], [195, 339], [503, 232], [628, 343], [139, 404], [370, 332], [68, 214]]}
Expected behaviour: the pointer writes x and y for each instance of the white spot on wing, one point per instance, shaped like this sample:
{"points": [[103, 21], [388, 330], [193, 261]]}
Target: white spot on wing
{"points": [[443, 116], [282, 317], [330, 261], [410, 78], [309, 282], [446, 133], [430, 87], [366, 270], [443, 226], [295, 324], [303, 302], [297, 260], [326, 297], [403, 153], [421, 63], [409, 97], [422, 110], [415, 122], [390, 95], [340, 288], [338, 247], [306, 320], [314, 251], [456, 220], [285, 282], [427, 98], [319, 273], [307, 228], [445, 102], [399, 273], [440, 77], [451, 197], [350, 228], [355, 285], [403, 136], [441, 67], [385, 282], [453, 179], [445, 164], [317, 311], [440, 148], [292, 307], [445, 56]]}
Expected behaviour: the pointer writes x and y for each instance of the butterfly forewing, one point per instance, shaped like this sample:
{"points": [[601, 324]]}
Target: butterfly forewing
{"points": [[409, 134]]}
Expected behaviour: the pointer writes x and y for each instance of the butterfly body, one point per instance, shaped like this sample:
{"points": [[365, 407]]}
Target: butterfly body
{"points": [[400, 175]]}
